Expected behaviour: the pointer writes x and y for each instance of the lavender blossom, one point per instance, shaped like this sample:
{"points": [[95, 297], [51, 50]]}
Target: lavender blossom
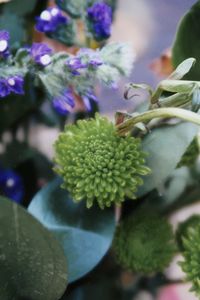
{"points": [[64, 102], [16, 84], [4, 46], [4, 88], [100, 20], [87, 97], [50, 19], [40, 52]]}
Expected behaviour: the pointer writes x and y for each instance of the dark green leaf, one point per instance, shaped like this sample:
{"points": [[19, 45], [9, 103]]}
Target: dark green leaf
{"points": [[165, 147], [16, 153], [20, 7], [86, 234], [187, 42], [32, 262]]}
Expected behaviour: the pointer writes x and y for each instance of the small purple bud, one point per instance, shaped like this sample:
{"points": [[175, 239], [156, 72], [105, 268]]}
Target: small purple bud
{"points": [[4, 88], [64, 102]]}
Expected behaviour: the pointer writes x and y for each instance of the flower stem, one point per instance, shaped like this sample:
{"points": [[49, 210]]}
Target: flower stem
{"points": [[170, 112]]}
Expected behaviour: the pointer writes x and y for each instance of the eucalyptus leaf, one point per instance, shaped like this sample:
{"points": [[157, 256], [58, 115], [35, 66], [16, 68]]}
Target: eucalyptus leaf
{"points": [[73, 8], [187, 42], [32, 262], [85, 234], [165, 146]]}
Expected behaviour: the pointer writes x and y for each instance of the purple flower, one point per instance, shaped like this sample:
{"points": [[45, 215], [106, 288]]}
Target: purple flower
{"points": [[4, 88], [4, 39], [41, 53], [11, 185], [16, 84], [100, 18], [74, 64], [12, 84], [50, 19], [64, 102]]}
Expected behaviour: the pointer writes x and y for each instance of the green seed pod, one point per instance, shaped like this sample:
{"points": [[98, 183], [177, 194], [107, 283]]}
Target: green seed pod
{"points": [[98, 165], [183, 228], [191, 254], [144, 243]]}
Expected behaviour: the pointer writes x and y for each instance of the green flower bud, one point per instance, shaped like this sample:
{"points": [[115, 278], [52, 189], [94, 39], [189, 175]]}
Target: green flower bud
{"points": [[183, 228], [144, 243], [191, 254], [98, 165]]}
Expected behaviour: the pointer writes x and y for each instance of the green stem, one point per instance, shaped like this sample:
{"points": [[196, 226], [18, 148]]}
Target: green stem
{"points": [[169, 112]]}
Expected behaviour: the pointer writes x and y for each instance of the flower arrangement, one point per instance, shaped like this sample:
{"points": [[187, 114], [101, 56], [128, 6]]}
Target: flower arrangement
{"points": [[74, 226]]}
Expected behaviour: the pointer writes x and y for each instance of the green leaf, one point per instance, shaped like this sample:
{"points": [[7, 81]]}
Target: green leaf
{"points": [[187, 42], [72, 7], [32, 262], [65, 34], [165, 147], [85, 234]]}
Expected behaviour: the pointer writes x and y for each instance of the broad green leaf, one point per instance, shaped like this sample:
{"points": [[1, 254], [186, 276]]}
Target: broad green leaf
{"points": [[85, 234], [20, 7], [187, 42], [32, 262], [15, 26], [73, 8], [165, 147]]}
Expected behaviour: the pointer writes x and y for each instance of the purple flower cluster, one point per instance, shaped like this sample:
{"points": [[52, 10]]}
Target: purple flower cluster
{"points": [[12, 84], [4, 43], [11, 185], [40, 53], [100, 19], [64, 102], [85, 58], [50, 19]]}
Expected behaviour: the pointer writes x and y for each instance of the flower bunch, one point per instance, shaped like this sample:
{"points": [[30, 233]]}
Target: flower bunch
{"points": [[144, 243]]}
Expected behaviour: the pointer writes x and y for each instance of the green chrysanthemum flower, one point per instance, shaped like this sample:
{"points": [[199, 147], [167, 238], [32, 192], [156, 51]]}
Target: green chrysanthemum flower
{"points": [[98, 165], [144, 243], [191, 254], [183, 228]]}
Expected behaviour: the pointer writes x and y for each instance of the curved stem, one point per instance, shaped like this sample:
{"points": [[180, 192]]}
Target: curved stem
{"points": [[169, 112]]}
